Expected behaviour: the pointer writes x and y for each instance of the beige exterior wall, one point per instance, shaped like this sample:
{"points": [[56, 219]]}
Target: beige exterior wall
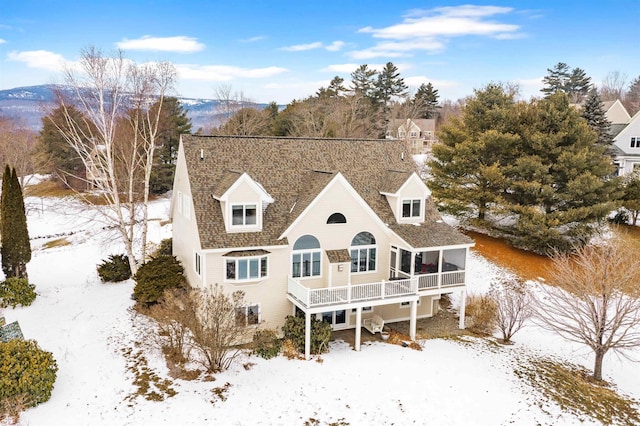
{"points": [[617, 114], [185, 247]]}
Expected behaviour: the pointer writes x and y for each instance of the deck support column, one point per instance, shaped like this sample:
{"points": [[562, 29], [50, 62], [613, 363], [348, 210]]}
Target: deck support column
{"points": [[307, 335], [412, 320], [463, 302], [358, 327]]}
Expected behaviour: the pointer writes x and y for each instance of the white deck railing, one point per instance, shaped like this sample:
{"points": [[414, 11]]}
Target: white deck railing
{"points": [[313, 297]]}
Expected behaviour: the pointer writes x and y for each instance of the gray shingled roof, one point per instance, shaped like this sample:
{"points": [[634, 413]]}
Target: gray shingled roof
{"points": [[294, 171]]}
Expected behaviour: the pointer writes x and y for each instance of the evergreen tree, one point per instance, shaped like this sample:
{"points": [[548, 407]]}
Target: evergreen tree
{"points": [[53, 153], [631, 196], [173, 123], [468, 170], [594, 113], [574, 82], [16, 248], [334, 90], [426, 100], [537, 164], [363, 81], [578, 85], [556, 79], [389, 84]]}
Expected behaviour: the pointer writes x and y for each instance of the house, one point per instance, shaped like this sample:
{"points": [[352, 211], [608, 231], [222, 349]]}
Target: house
{"points": [[418, 132], [337, 229], [626, 137]]}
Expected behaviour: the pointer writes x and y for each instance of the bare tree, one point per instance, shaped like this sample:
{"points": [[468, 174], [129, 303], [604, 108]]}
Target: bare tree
{"points": [[513, 307], [16, 146], [219, 326], [613, 86], [596, 301], [110, 91]]}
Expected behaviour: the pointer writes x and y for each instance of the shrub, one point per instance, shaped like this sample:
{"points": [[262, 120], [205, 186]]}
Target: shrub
{"points": [[115, 269], [293, 329], [165, 248], [266, 344], [17, 291], [483, 312], [157, 275], [27, 374]]}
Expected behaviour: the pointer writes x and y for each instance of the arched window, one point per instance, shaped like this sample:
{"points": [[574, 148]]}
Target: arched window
{"points": [[363, 252], [337, 218], [305, 259]]}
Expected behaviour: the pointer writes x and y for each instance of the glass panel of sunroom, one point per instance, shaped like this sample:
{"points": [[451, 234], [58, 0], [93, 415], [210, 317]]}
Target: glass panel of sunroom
{"points": [[454, 259]]}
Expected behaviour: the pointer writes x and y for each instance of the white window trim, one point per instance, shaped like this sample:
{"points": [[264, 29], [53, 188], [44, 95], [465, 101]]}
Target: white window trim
{"points": [[186, 206], [247, 258], [244, 227], [301, 253], [367, 247], [198, 265], [412, 218], [246, 307]]}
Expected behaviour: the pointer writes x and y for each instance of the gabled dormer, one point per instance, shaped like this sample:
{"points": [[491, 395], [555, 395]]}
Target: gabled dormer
{"points": [[406, 194], [242, 202]]}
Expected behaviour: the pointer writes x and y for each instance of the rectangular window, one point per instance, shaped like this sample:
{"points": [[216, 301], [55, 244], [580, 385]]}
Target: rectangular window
{"points": [[407, 304], [635, 142], [198, 264], [305, 264], [411, 208], [248, 315], [244, 214], [179, 201], [363, 260], [246, 268], [414, 134]]}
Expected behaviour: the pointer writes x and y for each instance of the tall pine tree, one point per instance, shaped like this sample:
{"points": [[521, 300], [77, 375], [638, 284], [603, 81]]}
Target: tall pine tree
{"points": [[16, 248], [595, 115], [426, 100]]}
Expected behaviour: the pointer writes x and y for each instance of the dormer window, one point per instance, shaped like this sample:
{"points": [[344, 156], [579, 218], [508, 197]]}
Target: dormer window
{"points": [[635, 142], [244, 214], [411, 208]]}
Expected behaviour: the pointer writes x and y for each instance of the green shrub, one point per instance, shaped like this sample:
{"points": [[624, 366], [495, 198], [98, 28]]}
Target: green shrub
{"points": [[266, 344], [165, 248], [16, 291], [115, 269], [157, 275], [26, 372], [293, 329]]}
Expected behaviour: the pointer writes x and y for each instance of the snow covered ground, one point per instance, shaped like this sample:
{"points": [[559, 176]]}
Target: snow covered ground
{"points": [[89, 326]]}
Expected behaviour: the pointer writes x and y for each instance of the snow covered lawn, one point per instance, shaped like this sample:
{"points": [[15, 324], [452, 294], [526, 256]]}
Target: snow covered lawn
{"points": [[90, 328]]}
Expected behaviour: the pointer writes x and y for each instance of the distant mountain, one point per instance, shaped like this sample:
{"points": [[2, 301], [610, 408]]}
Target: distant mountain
{"points": [[29, 105]]}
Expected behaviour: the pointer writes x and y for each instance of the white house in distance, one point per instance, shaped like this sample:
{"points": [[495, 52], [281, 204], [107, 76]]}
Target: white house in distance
{"points": [[626, 140], [343, 230]]}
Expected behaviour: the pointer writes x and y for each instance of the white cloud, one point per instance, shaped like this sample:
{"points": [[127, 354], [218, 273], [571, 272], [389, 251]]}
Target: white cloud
{"points": [[182, 44], [333, 47], [41, 59], [428, 30], [252, 39], [225, 72], [303, 47], [2, 41]]}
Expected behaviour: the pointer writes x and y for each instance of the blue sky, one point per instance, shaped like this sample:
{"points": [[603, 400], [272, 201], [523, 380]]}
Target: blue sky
{"points": [[284, 50]]}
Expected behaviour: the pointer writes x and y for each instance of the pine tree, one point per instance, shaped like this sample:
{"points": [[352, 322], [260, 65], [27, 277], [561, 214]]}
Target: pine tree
{"points": [[16, 248], [389, 84], [426, 100], [594, 113], [363, 81], [578, 85], [557, 79], [174, 122]]}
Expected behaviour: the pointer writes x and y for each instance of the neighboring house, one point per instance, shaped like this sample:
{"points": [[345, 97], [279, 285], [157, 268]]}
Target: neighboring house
{"points": [[626, 144], [418, 132], [95, 172], [343, 230], [615, 112]]}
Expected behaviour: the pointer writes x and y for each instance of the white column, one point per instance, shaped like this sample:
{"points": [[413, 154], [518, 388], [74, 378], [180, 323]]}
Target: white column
{"points": [[358, 326], [412, 320], [307, 335], [463, 302]]}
